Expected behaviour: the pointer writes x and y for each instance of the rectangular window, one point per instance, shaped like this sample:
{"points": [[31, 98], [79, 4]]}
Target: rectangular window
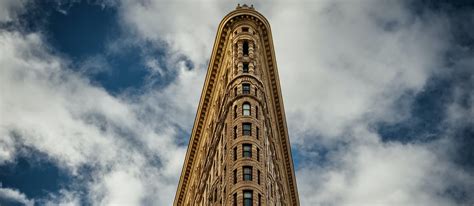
{"points": [[235, 176], [256, 112], [246, 109], [235, 199], [245, 29], [235, 111], [245, 68], [247, 129], [248, 197], [245, 48], [245, 88], [235, 153], [235, 91], [256, 94], [247, 170], [259, 200], [235, 132], [246, 150]]}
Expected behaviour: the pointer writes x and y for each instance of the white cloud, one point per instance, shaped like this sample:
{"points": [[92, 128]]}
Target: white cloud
{"points": [[13, 196], [343, 66], [46, 107]]}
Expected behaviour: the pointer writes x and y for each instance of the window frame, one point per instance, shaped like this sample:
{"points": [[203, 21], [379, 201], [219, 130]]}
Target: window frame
{"points": [[245, 152], [245, 175], [247, 129], [247, 197], [246, 111], [246, 88]]}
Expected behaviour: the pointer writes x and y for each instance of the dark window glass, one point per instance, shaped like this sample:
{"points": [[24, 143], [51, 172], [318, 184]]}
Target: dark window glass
{"points": [[248, 197], [246, 150], [246, 109], [245, 48], [259, 200], [235, 111], [235, 199], [256, 92], [235, 176], [247, 129], [247, 171], [245, 29], [245, 88], [235, 91], [245, 68], [235, 153], [235, 132]]}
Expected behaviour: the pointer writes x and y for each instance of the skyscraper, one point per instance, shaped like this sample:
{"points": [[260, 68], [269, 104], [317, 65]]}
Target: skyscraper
{"points": [[239, 151]]}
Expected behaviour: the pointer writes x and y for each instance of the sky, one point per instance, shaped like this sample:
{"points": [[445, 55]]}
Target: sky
{"points": [[98, 98]]}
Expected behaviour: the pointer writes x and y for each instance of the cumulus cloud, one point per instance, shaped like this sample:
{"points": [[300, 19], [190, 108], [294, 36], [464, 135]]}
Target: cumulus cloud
{"points": [[11, 196], [47, 107], [344, 66]]}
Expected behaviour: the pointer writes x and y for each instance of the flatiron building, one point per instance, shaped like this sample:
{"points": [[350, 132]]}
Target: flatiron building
{"points": [[239, 151]]}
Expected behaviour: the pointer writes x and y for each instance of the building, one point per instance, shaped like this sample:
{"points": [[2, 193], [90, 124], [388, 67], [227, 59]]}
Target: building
{"points": [[239, 151]]}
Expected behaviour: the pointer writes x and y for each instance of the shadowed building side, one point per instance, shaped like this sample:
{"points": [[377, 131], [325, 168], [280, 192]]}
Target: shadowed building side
{"points": [[239, 151]]}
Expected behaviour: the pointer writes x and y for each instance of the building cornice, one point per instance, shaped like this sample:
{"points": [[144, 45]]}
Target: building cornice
{"points": [[208, 89]]}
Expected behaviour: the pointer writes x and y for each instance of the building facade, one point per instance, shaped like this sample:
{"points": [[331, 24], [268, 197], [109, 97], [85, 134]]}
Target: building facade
{"points": [[239, 150]]}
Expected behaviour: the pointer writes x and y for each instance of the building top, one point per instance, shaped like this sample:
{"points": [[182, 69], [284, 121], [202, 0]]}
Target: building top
{"points": [[245, 6]]}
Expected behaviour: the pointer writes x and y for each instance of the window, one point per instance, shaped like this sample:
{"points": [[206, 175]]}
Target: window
{"points": [[258, 154], [247, 129], [258, 176], [256, 93], [248, 197], [245, 68], [235, 111], [245, 29], [256, 112], [246, 109], [235, 199], [247, 170], [246, 150], [258, 131], [215, 194], [259, 200], [235, 132], [245, 48], [235, 91], [235, 176], [245, 88], [235, 153]]}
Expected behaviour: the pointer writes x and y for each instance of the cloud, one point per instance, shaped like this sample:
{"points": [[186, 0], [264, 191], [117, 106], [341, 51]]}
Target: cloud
{"points": [[343, 66], [10, 9], [11, 196], [47, 107]]}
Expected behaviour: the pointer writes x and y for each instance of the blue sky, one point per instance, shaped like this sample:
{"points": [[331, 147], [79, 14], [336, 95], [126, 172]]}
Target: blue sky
{"points": [[97, 98]]}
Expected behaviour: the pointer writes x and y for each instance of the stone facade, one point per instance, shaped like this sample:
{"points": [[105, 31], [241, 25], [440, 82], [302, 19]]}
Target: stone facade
{"points": [[239, 151]]}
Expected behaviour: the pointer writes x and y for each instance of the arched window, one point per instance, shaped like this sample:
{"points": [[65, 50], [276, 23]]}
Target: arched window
{"points": [[246, 109]]}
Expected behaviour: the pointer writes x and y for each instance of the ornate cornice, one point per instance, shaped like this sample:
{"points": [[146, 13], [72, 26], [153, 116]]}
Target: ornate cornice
{"points": [[241, 13]]}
